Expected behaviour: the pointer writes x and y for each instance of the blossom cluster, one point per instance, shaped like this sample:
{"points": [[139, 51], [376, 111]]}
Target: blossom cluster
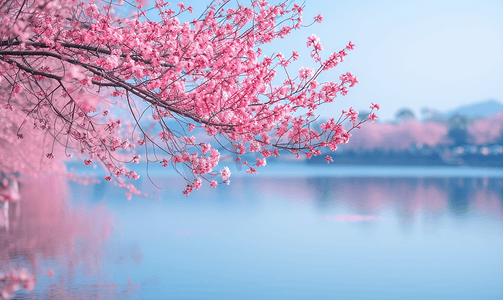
{"points": [[69, 65], [15, 280]]}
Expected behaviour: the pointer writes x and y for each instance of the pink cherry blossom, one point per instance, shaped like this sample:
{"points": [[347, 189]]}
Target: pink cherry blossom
{"points": [[350, 46], [69, 66], [260, 162], [226, 173], [374, 106], [213, 184], [372, 117], [318, 18]]}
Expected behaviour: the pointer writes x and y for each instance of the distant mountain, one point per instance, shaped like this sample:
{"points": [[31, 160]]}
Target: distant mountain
{"points": [[478, 110]]}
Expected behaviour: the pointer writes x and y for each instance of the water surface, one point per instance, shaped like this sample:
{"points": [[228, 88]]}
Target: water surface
{"points": [[289, 233]]}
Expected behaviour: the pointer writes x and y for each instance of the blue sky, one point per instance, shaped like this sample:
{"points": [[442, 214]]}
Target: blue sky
{"points": [[409, 53], [415, 54]]}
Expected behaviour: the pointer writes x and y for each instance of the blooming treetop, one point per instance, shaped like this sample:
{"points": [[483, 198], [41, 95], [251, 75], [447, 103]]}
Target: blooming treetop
{"points": [[68, 65], [399, 137], [486, 130]]}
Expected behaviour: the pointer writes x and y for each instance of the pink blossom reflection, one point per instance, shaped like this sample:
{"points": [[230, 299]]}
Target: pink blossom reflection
{"points": [[359, 197], [15, 280], [49, 229]]}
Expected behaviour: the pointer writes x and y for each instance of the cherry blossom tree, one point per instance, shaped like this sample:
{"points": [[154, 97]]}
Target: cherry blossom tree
{"points": [[81, 77], [399, 137], [486, 130]]}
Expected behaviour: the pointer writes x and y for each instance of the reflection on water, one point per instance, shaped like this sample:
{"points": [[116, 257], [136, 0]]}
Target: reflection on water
{"points": [[411, 196], [52, 241], [264, 238]]}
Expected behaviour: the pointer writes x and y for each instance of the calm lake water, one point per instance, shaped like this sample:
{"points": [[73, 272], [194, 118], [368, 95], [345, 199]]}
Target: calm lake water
{"points": [[291, 232]]}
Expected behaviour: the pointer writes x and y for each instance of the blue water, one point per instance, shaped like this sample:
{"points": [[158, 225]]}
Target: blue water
{"points": [[292, 232]]}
